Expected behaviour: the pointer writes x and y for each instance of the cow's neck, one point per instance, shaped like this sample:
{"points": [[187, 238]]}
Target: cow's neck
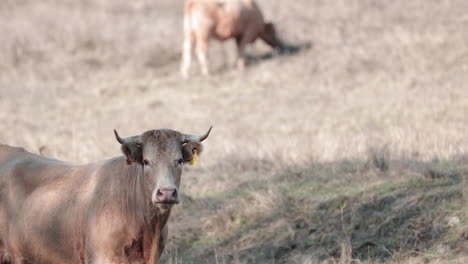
{"points": [[131, 192]]}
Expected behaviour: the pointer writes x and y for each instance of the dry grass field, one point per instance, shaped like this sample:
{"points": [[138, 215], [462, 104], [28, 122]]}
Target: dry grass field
{"points": [[354, 150]]}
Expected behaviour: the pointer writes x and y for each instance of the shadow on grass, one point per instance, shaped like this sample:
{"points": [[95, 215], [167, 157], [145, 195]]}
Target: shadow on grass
{"points": [[287, 50], [328, 208]]}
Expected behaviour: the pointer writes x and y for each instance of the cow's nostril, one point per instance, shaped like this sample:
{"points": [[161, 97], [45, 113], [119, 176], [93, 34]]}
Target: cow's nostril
{"points": [[174, 194], [159, 193]]}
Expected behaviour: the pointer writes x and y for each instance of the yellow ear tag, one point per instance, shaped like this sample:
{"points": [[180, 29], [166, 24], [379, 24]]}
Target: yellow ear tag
{"points": [[194, 160]]}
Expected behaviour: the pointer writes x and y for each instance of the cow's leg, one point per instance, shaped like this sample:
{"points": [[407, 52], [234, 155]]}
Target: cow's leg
{"points": [[19, 260], [241, 43], [202, 51], [102, 259], [16, 256], [4, 256], [106, 240], [100, 256], [187, 47], [187, 55]]}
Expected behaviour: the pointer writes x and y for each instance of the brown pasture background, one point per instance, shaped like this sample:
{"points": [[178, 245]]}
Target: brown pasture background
{"points": [[389, 76]]}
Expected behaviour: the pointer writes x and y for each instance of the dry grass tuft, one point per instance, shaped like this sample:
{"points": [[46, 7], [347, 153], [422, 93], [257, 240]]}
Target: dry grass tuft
{"points": [[379, 157]]}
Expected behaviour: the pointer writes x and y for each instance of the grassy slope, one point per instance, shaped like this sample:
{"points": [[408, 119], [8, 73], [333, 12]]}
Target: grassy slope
{"points": [[328, 212], [353, 148]]}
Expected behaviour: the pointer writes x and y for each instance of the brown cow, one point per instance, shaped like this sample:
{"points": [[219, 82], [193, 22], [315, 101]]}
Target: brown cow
{"points": [[114, 211], [223, 19]]}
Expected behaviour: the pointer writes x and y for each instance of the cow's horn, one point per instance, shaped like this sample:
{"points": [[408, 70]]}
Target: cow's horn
{"points": [[192, 138], [134, 139]]}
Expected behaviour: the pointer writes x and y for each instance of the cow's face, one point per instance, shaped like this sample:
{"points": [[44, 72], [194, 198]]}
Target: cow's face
{"points": [[162, 153]]}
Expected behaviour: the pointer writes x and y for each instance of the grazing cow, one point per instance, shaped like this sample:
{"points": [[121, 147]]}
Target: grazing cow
{"points": [[223, 19], [114, 211]]}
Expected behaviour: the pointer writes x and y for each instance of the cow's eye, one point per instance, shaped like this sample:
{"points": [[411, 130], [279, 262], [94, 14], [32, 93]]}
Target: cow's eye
{"points": [[179, 162], [146, 162]]}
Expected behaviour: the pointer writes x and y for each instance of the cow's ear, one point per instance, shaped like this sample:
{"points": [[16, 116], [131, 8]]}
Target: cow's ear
{"points": [[269, 28], [131, 148], [133, 151], [270, 31], [189, 149]]}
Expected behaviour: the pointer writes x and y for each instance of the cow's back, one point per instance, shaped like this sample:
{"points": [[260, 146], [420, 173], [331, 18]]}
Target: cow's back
{"points": [[225, 18]]}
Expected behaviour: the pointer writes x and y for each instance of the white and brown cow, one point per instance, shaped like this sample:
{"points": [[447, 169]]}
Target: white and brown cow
{"points": [[113, 211], [222, 20]]}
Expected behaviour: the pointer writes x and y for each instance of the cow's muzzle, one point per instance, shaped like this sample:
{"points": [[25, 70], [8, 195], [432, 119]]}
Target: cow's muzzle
{"points": [[166, 196]]}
